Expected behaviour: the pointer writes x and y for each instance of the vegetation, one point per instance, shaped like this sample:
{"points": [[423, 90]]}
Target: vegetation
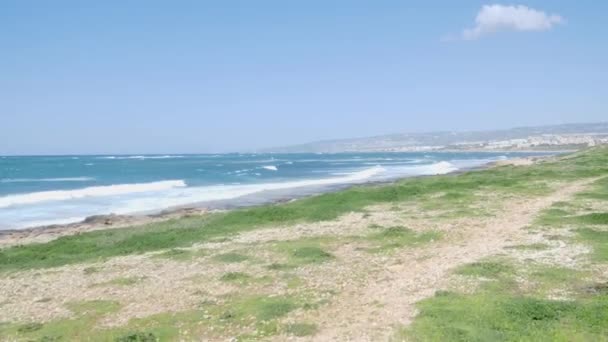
{"points": [[389, 239], [236, 315], [518, 302], [486, 269], [98, 245], [496, 316], [236, 277], [513, 300], [302, 252], [230, 257]]}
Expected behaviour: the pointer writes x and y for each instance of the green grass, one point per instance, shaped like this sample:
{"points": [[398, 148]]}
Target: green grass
{"points": [[553, 217], [265, 308], [389, 239], [137, 337], [517, 306], [100, 245], [497, 317], [547, 278], [593, 218], [598, 239], [217, 321], [81, 327], [180, 254], [230, 257], [506, 310], [236, 277], [303, 251], [486, 269]]}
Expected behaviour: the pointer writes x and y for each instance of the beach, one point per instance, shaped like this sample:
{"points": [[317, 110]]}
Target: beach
{"points": [[264, 194], [405, 260]]}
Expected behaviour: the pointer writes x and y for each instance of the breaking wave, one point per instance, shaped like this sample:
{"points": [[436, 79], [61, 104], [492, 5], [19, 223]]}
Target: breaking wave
{"points": [[94, 191]]}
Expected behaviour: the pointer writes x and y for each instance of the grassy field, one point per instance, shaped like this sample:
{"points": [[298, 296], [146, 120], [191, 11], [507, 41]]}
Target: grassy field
{"points": [[519, 301], [303, 259]]}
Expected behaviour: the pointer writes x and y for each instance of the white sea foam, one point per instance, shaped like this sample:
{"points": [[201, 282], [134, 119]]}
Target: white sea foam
{"points": [[51, 207], [438, 168], [95, 191], [33, 180], [270, 167], [141, 157], [189, 195]]}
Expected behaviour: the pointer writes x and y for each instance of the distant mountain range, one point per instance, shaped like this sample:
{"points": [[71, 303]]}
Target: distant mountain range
{"points": [[569, 136]]}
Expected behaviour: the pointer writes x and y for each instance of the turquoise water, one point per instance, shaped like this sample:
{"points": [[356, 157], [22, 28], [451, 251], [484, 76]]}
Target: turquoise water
{"points": [[41, 190]]}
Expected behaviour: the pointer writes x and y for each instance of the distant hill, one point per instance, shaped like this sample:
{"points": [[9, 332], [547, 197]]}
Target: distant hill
{"points": [[571, 135]]}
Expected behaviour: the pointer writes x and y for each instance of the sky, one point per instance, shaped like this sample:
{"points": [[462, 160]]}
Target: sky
{"points": [[104, 77]]}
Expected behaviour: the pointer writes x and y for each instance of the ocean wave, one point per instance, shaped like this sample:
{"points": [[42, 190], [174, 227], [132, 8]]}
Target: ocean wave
{"points": [[33, 180], [141, 157], [270, 167], [439, 168], [190, 195], [95, 191]]}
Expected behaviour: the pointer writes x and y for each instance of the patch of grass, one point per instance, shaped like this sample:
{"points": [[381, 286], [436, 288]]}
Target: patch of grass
{"points": [[599, 191], [236, 277], [450, 200], [300, 329], [548, 278], [310, 255], [182, 254], [265, 308], [602, 196], [183, 232], [554, 217], [598, 239], [230, 257], [29, 327], [389, 239], [494, 316], [214, 321], [137, 337], [304, 251], [486, 269], [593, 218], [80, 327]]}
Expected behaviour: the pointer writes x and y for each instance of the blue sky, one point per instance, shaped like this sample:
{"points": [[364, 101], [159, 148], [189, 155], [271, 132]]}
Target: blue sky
{"points": [[201, 76]]}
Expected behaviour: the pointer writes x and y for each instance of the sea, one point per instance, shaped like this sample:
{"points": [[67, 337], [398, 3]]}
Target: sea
{"points": [[49, 190]]}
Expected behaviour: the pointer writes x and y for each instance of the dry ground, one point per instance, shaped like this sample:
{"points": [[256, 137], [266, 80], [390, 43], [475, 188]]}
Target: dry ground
{"points": [[363, 294]]}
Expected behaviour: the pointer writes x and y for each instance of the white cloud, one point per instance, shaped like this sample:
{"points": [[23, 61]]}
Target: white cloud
{"points": [[494, 18]]}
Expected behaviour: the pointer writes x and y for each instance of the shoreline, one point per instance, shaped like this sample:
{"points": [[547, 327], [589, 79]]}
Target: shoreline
{"points": [[331, 267], [45, 233]]}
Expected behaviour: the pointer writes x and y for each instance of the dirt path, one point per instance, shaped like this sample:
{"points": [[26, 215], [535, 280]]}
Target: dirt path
{"points": [[373, 293], [365, 314]]}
